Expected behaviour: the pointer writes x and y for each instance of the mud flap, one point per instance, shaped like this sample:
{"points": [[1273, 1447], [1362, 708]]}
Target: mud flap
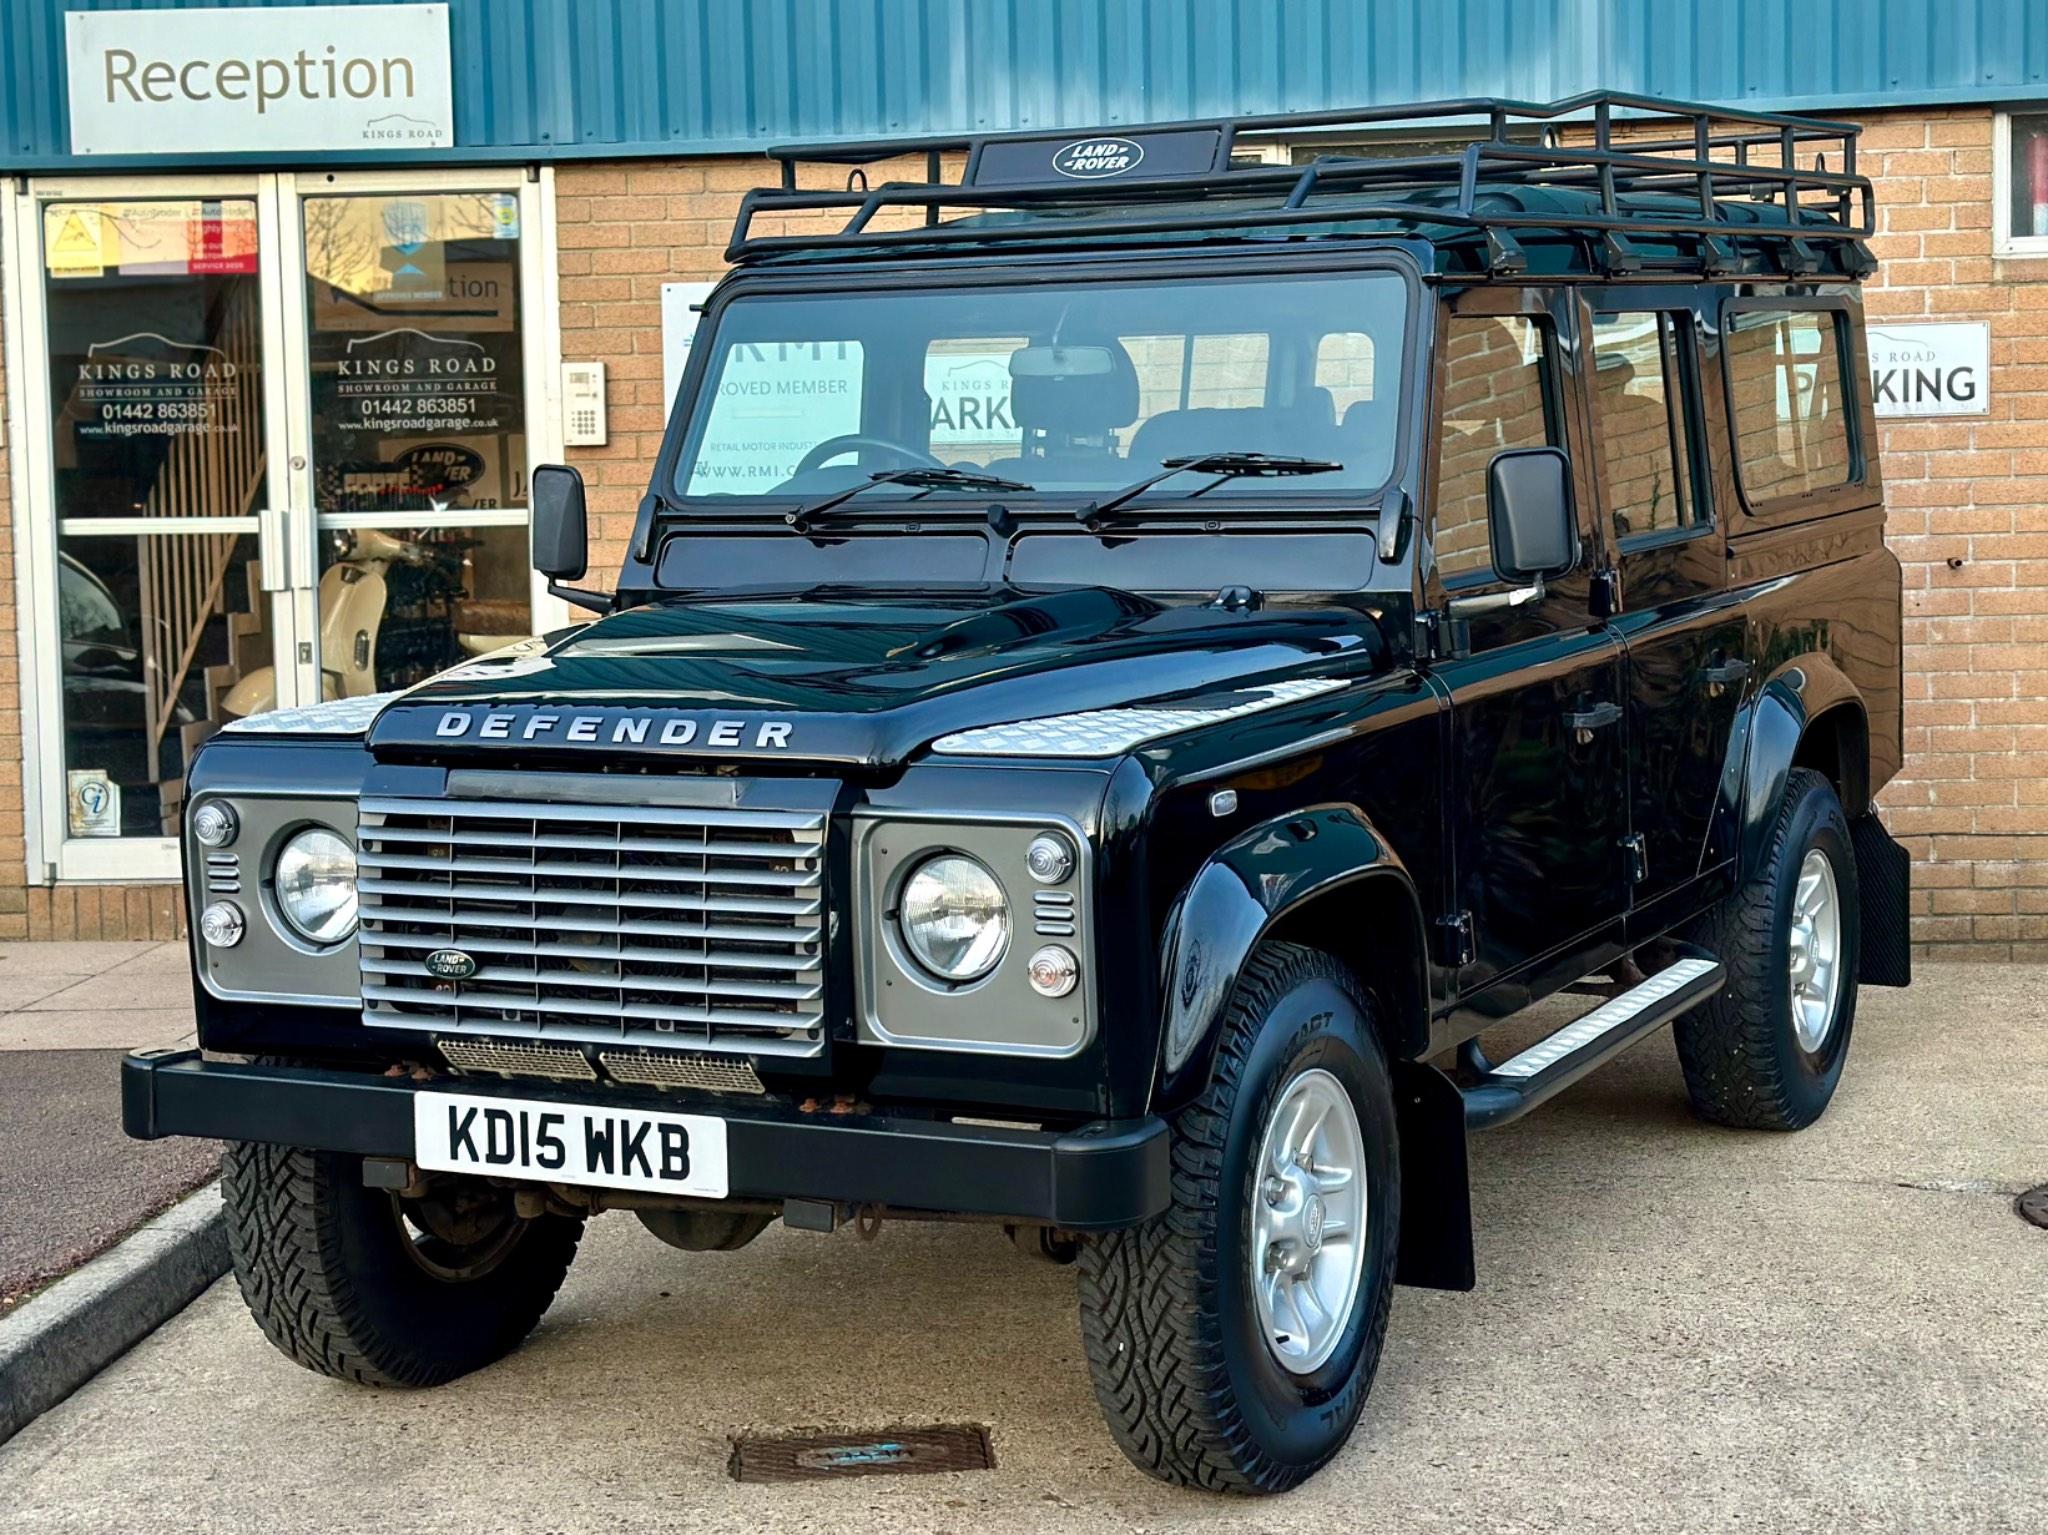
{"points": [[1436, 1198], [1884, 879]]}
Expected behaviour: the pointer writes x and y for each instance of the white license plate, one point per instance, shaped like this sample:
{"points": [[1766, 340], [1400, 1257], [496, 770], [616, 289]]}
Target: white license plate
{"points": [[570, 1143]]}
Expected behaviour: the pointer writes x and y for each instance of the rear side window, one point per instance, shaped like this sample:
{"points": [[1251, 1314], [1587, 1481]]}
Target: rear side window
{"points": [[1787, 400], [1642, 420], [1496, 396]]}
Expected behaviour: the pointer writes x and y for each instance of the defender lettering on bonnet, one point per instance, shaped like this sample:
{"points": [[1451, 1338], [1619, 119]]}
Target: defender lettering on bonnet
{"points": [[618, 730]]}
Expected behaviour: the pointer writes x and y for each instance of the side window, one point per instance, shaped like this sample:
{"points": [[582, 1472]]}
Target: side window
{"points": [[1496, 395], [1642, 421], [1786, 398]]}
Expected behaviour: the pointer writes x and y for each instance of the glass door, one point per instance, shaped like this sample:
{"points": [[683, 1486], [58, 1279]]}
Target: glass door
{"points": [[412, 363], [153, 467], [277, 436]]}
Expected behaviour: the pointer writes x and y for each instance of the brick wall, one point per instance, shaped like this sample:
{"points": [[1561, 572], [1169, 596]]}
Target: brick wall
{"points": [[1968, 516], [1969, 500], [1968, 503]]}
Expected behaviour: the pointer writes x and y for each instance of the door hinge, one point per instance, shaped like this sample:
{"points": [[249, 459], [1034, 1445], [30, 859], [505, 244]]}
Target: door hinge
{"points": [[1454, 939], [1604, 594], [1638, 853], [1440, 637]]}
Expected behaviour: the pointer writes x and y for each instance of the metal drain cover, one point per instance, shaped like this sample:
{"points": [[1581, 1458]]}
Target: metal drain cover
{"points": [[2033, 1205], [814, 1457]]}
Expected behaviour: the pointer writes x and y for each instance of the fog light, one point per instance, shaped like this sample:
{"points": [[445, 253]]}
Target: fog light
{"points": [[221, 924], [1054, 971], [214, 824], [1050, 858]]}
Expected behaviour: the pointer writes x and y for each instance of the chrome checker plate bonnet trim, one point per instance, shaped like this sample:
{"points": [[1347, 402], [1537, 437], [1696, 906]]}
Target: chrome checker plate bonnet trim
{"points": [[1107, 732]]}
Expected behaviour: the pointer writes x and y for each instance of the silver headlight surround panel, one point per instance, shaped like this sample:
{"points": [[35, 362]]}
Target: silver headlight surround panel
{"points": [[898, 1002], [271, 963]]}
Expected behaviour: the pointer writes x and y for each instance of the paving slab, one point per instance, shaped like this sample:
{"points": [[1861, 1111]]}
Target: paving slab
{"points": [[135, 1028], [126, 988], [1677, 1328], [94, 996], [72, 957]]}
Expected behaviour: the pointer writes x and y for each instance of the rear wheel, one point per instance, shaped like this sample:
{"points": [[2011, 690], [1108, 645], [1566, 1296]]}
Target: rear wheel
{"points": [[1233, 1339], [1767, 1051], [380, 1288]]}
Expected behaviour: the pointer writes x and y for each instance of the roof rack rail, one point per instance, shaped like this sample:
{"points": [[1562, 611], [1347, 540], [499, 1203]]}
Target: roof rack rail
{"points": [[1710, 154]]}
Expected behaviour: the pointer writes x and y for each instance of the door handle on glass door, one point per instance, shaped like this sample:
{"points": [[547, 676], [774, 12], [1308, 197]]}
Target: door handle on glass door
{"points": [[273, 550]]}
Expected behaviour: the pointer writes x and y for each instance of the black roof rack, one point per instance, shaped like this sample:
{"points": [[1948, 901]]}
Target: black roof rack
{"points": [[1710, 154]]}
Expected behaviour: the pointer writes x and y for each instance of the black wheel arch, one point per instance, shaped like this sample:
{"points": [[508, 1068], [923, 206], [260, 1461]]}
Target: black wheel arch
{"points": [[1807, 714], [1323, 877]]}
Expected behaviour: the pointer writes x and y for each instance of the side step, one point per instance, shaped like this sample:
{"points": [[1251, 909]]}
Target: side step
{"points": [[1511, 1089]]}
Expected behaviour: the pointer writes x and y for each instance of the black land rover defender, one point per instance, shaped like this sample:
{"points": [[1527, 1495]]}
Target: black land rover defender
{"points": [[1130, 662]]}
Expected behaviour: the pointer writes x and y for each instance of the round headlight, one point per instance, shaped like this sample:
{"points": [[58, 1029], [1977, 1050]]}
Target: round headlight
{"points": [[316, 885], [954, 917]]}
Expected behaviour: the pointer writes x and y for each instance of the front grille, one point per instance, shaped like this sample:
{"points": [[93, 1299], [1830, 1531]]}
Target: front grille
{"points": [[601, 923]]}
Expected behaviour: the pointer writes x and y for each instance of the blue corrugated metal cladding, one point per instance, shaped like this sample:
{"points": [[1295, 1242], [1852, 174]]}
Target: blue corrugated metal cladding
{"points": [[545, 79]]}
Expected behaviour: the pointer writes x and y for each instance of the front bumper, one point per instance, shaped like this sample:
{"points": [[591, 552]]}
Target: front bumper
{"points": [[1097, 1177]]}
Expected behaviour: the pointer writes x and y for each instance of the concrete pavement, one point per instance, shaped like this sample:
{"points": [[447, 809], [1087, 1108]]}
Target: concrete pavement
{"points": [[73, 1183], [1677, 1328]]}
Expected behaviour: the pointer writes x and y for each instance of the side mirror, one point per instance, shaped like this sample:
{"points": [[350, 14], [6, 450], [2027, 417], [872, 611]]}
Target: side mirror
{"points": [[561, 527], [1533, 525]]}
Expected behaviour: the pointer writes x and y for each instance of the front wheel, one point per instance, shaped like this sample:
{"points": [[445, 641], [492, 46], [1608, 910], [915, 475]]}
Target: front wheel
{"points": [[1234, 1338], [386, 1290]]}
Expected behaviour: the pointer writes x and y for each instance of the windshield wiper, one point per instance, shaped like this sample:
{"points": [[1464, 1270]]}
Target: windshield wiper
{"points": [[804, 518], [1225, 466]]}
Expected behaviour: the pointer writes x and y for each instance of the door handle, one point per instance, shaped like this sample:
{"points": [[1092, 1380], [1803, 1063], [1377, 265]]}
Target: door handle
{"points": [[1718, 676], [1585, 721]]}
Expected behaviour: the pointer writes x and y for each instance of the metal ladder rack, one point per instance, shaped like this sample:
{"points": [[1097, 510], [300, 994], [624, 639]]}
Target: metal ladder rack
{"points": [[1712, 155]]}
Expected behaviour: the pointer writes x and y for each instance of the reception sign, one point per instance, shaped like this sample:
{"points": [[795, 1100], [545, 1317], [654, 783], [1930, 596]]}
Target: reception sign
{"points": [[303, 77]]}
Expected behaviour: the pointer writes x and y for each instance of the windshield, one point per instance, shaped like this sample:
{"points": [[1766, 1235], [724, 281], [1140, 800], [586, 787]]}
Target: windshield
{"points": [[1067, 388]]}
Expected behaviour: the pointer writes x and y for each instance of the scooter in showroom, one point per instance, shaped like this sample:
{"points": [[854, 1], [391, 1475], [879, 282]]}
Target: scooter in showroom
{"points": [[358, 594]]}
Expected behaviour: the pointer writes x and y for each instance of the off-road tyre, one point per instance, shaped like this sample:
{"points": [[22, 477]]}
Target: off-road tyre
{"points": [[319, 1262], [1743, 1062], [1180, 1364]]}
